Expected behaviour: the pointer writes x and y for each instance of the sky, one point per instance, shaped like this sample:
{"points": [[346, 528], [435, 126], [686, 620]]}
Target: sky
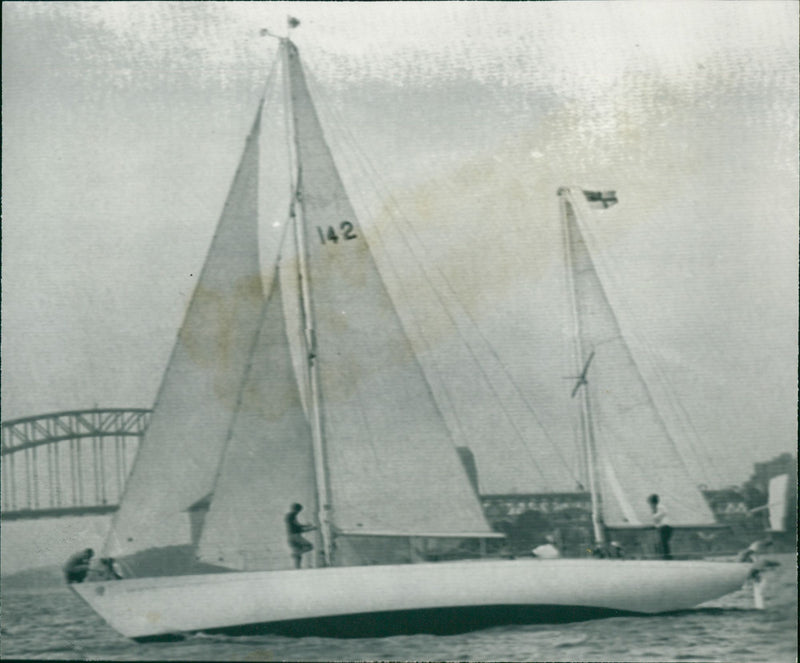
{"points": [[123, 124]]}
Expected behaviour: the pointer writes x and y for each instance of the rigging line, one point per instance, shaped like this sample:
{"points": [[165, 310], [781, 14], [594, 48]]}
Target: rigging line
{"points": [[270, 76], [642, 469], [570, 359], [316, 413], [579, 242], [488, 381], [683, 419], [695, 433], [649, 353], [582, 230], [396, 273], [474, 325], [420, 329], [403, 291], [345, 155], [304, 379], [288, 131], [282, 242], [679, 414], [466, 343], [672, 403]]}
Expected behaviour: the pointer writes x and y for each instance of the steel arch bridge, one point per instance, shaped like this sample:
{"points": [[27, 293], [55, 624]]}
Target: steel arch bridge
{"points": [[68, 463]]}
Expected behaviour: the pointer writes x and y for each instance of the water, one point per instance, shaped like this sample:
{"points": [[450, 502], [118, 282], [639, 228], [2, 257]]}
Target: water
{"points": [[56, 624]]}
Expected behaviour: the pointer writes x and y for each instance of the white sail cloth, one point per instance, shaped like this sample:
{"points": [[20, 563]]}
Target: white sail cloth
{"points": [[177, 462], [268, 462], [635, 455], [393, 467]]}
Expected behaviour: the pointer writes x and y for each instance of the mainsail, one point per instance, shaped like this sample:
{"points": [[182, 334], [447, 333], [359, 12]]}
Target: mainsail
{"points": [[393, 467], [177, 462], [635, 455]]}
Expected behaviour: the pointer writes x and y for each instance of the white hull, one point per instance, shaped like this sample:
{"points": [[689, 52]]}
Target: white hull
{"points": [[490, 592]]}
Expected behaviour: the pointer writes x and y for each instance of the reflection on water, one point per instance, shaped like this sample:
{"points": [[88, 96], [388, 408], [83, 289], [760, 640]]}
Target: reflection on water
{"points": [[55, 624]]}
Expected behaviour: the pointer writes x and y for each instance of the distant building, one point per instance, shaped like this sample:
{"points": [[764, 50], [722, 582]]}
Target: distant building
{"points": [[527, 519], [731, 509], [728, 506]]}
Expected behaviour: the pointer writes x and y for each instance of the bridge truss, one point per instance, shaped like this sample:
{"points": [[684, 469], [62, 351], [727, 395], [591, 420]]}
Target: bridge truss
{"points": [[68, 463]]}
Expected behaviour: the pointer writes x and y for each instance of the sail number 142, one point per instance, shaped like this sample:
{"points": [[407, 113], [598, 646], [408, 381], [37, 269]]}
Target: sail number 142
{"points": [[330, 235]]}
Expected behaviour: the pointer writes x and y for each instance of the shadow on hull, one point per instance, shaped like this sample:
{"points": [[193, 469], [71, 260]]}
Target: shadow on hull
{"points": [[436, 621]]}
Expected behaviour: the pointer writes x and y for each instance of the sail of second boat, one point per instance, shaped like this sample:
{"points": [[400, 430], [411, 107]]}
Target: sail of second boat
{"points": [[632, 448]]}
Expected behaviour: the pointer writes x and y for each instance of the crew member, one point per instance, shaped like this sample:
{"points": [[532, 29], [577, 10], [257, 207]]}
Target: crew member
{"points": [[108, 569], [294, 532], [661, 524], [548, 549], [77, 566]]}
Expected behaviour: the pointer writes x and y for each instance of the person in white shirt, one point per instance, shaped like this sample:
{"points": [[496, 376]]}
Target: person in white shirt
{"points": [[661, 523], [547, 550]]}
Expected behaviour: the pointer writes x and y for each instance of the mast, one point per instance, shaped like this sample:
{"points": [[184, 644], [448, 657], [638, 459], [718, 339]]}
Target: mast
{"points": [[307, 310], [587, 427]]}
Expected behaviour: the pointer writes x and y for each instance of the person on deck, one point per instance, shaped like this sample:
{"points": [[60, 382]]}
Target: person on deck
{"points": [[548, 549], [77, 566], [661, 524], [294, 532], [108, 569], [105, 568]]}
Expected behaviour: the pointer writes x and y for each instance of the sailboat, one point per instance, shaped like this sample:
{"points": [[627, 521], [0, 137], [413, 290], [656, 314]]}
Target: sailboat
{"points": [[309, 391]]}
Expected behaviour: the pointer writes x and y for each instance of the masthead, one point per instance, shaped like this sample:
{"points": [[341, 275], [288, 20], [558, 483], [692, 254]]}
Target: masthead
{"points": [[291, 24]]}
